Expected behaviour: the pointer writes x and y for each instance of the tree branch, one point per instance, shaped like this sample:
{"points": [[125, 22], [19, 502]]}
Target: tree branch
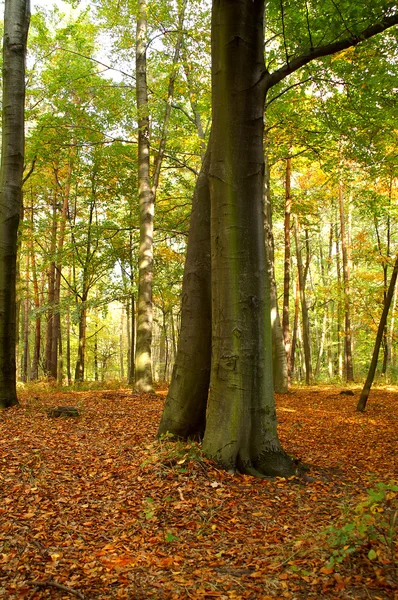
{"points": [[328, 49]]}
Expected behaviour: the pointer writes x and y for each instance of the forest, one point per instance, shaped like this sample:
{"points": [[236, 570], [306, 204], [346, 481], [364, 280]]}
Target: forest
{"points": [[198, 259]]}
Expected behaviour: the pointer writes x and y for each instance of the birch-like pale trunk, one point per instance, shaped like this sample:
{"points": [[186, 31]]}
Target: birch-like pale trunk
{"points": [[143, 358], [147, 193], [16, 25]]}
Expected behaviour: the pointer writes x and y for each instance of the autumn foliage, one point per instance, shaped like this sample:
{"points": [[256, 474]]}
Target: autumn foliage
{"points": [[96, 507]]}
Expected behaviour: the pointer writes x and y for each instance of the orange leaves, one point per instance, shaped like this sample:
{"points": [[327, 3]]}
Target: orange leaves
{"points": [[102, 507]]}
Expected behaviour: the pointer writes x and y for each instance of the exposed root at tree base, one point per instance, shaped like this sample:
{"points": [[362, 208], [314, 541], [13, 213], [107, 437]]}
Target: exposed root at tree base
{"points": [[273, 464]]}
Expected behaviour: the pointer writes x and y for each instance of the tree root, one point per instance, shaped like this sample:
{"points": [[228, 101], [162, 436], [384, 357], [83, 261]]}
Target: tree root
{"points": [[55, 584]]}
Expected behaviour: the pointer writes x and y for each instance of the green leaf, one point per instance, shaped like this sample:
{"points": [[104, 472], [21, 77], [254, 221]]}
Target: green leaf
{"points": [[372, 554]]}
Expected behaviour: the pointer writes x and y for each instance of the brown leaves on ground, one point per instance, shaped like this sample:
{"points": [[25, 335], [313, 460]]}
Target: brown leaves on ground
{"points": [[96, 508]]}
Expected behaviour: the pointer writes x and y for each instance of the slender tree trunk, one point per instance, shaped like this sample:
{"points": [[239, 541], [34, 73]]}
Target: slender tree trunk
{"points": [[349, 372], [132, 341], [121, 345], [286, 270], [81, 352], [96, 378], [295, 325], [36, 300], [26, 354], [279, 360], [68, 352], [147, 193], [361, 406], [302, 275], [51, 344], [339, 353], [16, 25], [143, 360], [60, 374]]}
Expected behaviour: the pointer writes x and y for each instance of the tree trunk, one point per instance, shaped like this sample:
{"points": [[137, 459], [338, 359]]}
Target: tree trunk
{"points": [[302, 276], [184, 413], [383, 320], [349, 372], [295, 326], [279, 360], [16, 25], [241, 388], [286, 267], [81, 352], [26, 354], [143, 360], [121, 345], [36, 299], [51, 343]]}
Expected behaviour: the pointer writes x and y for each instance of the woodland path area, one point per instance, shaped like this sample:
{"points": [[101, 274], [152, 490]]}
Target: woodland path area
{"points": [[95, 507]]}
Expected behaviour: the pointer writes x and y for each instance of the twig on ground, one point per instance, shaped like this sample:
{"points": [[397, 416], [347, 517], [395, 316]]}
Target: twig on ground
{"points": [[55, 584]]}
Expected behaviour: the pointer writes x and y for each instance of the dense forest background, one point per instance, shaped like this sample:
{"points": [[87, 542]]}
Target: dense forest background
{"points": [[331, 162]]}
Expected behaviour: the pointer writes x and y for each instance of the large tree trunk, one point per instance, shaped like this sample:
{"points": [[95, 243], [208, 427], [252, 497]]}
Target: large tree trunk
{"points": [[383, 320], [184, 414], [16, 25], [241, 394]]}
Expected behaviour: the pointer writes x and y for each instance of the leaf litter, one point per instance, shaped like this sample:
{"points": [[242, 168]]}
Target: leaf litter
{"points": [[95, 507]]}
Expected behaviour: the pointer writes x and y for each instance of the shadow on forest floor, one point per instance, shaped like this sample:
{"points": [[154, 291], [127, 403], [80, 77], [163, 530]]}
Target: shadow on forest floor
{"points": [[94, 507]]}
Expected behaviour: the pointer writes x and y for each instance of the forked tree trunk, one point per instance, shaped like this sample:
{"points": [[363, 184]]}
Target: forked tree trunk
{"points": [[184, 414], [240, 431], [241, 387], [16, 25], [383, 320]]}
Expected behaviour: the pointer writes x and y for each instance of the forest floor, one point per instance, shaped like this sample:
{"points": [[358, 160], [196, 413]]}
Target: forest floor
{"points": [[95, 507]]}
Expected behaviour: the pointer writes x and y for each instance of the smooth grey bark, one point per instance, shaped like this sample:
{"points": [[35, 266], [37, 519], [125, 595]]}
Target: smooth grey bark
{"points": [[16, 25], [361, 406], [184, 414], [147, 193], [241, 395], [279, 357], [240, 431], [143, 358]]}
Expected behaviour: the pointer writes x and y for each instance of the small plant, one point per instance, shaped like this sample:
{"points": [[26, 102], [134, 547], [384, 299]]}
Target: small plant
{"points": [[150, 509], [372, 528]]}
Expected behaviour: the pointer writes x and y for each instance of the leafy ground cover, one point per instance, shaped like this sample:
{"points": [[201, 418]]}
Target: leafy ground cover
{"points": [[95, 508]]}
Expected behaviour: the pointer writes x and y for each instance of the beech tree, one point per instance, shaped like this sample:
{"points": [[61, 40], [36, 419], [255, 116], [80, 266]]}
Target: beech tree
{"points": [[16, 25], [222, 381]]}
